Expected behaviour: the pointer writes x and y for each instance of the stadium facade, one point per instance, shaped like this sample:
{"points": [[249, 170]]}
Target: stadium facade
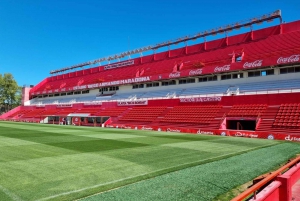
{"points": [[246, 85]]}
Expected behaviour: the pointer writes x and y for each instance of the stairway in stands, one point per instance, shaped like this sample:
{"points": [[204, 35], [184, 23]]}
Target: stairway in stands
{"points": [[216, 122], [161, 116], [267, 118]]}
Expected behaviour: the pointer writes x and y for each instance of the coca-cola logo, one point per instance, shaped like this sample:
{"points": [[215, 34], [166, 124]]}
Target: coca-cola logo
{"points": [[195, 72], [292, 59], [172, 75], [222, 68], [253, 64], [173, 130]]}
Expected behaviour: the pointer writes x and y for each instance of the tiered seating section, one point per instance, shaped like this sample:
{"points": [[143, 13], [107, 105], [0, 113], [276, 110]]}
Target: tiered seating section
{"points": [[91, 111], [274, 45], [192, 114], [33, 113], [288, 116], [244, 88], [112, 112], [38, 113], [50, 112], [18, 114], [277, 119], [145, 114], [65, 112], [252, 110]]}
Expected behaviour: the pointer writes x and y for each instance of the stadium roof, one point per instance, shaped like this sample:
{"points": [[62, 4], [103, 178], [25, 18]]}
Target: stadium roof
{"points": [[223, 29]]}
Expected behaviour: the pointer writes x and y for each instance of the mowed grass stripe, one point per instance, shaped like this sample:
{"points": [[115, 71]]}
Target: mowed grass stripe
{"points": [[205, 182], [53, 128], [27, 152], [124, 181], [50, 167]]}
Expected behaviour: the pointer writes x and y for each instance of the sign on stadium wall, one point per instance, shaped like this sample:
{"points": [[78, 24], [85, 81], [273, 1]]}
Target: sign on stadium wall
{"points": [[291, 59], [231, 133], [93, 103], [255, 134], [64, 105], [222, 68], [114, 83], [201, 99], [253, 64], [126, 81], [135, 102], [118, 65]]}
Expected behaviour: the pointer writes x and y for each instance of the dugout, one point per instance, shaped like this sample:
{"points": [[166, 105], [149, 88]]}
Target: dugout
{"points": [[76, 119]]}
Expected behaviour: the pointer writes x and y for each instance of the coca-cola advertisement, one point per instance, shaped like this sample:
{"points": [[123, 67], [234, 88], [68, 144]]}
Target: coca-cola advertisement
{"points": [[291, 59], [196, 72], [173, 75], [254, 64], [222, 68]]}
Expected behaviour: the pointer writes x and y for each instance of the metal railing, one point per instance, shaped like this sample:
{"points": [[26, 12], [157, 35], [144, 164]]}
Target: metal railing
{"points": [[253, 189]]}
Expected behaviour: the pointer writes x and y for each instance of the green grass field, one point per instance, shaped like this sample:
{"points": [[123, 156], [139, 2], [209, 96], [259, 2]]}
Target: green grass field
{"points": [[52, 162]]}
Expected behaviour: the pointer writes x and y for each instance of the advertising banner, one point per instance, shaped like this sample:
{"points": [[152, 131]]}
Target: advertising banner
{"points": [[135, 102], [229, 133], [201, 99]]}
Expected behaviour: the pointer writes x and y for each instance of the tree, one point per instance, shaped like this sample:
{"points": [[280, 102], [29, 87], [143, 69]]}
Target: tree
{"points": [[9, 91], [18, 97]]}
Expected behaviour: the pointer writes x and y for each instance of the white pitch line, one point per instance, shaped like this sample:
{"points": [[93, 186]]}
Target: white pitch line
{"points": [[87, 188], [98, 185], [10, 194]]}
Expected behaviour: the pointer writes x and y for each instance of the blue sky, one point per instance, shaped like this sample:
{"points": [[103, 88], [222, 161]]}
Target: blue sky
{"points": [[37, 36]]}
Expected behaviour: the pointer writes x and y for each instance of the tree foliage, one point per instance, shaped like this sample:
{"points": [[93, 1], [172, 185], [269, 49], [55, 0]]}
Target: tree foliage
{"points": [[10, 92]]}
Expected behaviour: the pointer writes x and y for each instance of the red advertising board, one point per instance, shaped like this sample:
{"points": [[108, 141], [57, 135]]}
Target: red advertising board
{"points": [[230, 133]]}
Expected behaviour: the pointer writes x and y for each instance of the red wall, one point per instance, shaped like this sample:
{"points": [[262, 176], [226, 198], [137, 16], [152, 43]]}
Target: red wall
{"points": [[269, 99]]}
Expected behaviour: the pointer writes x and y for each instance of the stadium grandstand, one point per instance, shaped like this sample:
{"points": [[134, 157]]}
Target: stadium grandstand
{"points": [[245, 85]]}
